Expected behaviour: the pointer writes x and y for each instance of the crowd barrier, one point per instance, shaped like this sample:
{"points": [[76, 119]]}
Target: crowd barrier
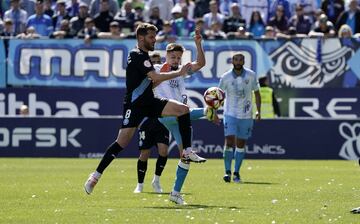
{"points": [[300, 63], [89, 137]]}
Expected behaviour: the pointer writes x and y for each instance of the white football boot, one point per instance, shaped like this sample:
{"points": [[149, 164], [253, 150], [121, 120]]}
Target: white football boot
{"points": [[90, 183], [139, 188], [177, 198], [156, 186], [191, 156]]}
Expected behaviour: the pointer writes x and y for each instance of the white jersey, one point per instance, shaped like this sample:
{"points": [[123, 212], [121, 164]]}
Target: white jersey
{"points": [[238, 93], [171, 89]]}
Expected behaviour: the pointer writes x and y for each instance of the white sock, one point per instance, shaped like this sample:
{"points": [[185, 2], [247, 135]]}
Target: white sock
{"points": [[188, 150], [140, 184]]}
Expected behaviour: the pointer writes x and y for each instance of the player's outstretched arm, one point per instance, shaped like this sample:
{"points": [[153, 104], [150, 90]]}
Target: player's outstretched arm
{"points": [[157, 78], [200, 58]]}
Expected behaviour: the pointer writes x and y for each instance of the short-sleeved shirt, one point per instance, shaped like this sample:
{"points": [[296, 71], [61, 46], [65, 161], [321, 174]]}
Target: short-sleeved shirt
{"points": [[138, 85], [238, 92]]}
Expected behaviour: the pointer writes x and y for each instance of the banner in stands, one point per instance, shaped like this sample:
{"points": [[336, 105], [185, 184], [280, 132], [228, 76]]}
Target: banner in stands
{"points": [[340, 103], [305, 63], [2, 65], [89, 137]]}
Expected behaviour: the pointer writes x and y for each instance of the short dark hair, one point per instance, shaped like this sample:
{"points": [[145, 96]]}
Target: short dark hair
{"points": [[143, 29], [238, 54], [174, 47]]}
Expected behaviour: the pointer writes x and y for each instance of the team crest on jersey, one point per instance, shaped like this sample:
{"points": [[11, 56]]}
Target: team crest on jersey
{"points": [[126, 121], [173, 83], [246, 81], [147, 63]]}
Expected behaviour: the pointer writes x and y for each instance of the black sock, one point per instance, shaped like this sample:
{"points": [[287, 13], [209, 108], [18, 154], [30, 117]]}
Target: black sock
{"points": [[141, 170], [110, 154], [185, 129], [160, 165]]}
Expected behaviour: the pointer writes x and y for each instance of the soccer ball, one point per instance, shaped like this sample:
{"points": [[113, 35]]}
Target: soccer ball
{"points": [[214, 97]]}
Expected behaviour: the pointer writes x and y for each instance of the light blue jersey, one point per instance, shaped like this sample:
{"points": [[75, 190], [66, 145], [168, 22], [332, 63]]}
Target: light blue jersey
{"points": [[238, 92]]}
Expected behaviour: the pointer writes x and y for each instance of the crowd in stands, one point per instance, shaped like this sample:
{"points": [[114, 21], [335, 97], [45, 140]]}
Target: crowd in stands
{"points": [[221, 19]]}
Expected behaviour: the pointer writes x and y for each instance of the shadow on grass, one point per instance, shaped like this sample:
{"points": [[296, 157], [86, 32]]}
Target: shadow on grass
{"points": [[253, 182], [193, 206], [163, 193]]}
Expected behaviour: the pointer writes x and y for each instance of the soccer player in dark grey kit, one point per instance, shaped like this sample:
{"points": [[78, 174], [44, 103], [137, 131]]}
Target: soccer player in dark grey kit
{"points": [[140, 102]]}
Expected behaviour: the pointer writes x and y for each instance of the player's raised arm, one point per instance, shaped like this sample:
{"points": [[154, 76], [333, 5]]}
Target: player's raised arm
{"points": [[200, 56]]}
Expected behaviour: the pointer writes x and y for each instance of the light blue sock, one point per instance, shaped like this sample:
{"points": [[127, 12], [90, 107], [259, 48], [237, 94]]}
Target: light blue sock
{"points": [[228, 156], [196, 113], [181, 173], [239, 157]]}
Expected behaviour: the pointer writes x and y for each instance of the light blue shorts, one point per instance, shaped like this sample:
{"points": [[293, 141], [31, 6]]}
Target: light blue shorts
{"points": [[173, 126], [241, 128]]}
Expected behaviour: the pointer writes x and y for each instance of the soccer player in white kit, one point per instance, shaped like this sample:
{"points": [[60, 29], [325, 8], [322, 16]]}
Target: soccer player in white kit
{"points": [[238, 84]]}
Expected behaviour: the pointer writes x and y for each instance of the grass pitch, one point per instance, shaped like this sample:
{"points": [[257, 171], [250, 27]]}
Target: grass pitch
{"points": [[274, 191]]}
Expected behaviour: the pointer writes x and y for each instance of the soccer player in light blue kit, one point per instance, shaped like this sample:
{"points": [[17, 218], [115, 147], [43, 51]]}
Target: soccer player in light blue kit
{"points": [[238, 84]]}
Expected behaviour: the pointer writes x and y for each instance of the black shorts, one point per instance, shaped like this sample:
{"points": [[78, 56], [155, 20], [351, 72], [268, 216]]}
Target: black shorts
{"points": [[135, 112], [152, 132]]}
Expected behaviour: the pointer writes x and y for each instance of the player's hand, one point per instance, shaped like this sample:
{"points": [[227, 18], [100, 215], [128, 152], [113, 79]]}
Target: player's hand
{"points": [[257, 116], [185, 69], [197, 37]]}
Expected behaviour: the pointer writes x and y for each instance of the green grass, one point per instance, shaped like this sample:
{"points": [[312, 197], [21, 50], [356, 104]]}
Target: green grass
{"points": [[274, 191]]}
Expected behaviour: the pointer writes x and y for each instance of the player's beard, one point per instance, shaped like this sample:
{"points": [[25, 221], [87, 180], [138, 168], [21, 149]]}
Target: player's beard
{"points": [[149, 46], [238, 67]]}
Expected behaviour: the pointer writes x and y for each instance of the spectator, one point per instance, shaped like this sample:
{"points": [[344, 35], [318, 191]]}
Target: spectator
{"points": [[190, 5], [225, 6], [73, 9], [139, 13], [279, 21], [345, 31], [213, 15], [77, 22], [30, 33], [323, 27], [60, 14], [235, 20], [155, 58], [301, 22], [176, 13], [115, 32], [199, 23], [241, 33], [126, 17], [63, 32], [250, 6], [17, 15], [183, 26], [103, 19], [155, 19], [284, 3], [270, 33], [350, 17], [132, 35], [165, 7], [166, 34], [28, 6], [8, 30], [95, 7], [257, 25], [201, 8], [89, 31], [41, 22], [309, 7], [332, 8], [215, 32], [48, 8]]}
